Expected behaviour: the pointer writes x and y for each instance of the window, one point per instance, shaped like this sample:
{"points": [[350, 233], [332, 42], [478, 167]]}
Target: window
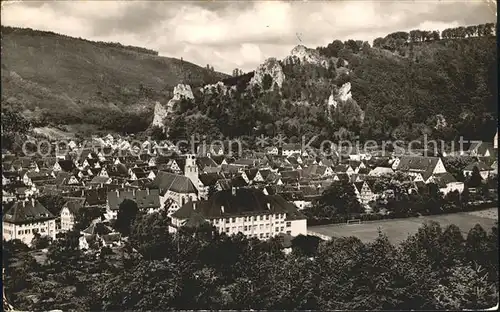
{"points": [[289, 232], [282, 229], [246, 228], [267, 217], [261, 235], [261, 218], [277, 229], [227, 230], [216, 221], [267, 225], [233, 220], [234, 229], [261, 227], [255, 227], [18, 232], [255, 218], [267, 234]]}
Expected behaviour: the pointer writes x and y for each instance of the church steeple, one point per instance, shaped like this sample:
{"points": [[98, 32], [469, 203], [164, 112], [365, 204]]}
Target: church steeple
{"points": [[191, 169]]}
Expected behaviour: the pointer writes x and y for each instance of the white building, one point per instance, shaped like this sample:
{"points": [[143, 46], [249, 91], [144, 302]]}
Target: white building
{"points": [[25, 218], [245, 210], [69, 212]]}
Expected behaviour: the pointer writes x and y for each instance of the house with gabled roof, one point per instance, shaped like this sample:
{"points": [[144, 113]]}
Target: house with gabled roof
{"points": [[100, 181], [289, 176], [272, 150], [420, 167], [207, 180], [69, 212], [344, 168], [205, 162], [484, 169], [25, 218], [446, 183], [249, 175], [291, 148], [364, 193], [178, 187], [316, 171], [66, 178], [146, 200], [341, 176], [262, 175], [64, 165]]}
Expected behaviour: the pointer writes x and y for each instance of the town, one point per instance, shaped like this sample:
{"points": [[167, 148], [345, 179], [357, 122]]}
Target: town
{"points": [[261, 194]]}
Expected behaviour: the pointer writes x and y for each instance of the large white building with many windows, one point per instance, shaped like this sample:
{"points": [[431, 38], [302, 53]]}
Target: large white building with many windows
{"points": [[25, 218], [244, 210]]}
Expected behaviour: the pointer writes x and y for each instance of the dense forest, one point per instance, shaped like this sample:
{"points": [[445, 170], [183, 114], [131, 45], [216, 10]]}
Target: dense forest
{"points": [[406, 85], [436, 268]]}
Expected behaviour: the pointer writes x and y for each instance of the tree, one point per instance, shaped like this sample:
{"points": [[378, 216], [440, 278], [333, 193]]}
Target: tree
{"points": [[378, 42], [157, 133], [150, 236], [85, 216], [40, 242], [305, 245], [475, 179], [127, 212], [476, 245], [340, 198], [467, 288], [267, 81]]}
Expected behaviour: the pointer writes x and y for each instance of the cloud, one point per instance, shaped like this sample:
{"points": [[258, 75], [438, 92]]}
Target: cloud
{"points": [[229, 34]]}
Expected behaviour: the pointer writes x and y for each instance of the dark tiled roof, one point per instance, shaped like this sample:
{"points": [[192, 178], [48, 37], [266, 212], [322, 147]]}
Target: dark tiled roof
{"points": [[208, 179], [66, 165], [417, 163], [75, 204], [246, 201], [480, 165], [99, 180], [176, 183], [203, 162], [27, 211], [251, 173]]}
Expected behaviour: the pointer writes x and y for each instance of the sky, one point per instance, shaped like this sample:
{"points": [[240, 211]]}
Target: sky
{"points": [[237, 34]]}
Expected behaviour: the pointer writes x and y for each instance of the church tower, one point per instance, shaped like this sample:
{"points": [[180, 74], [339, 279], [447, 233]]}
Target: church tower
{"points": [[191, 170]]}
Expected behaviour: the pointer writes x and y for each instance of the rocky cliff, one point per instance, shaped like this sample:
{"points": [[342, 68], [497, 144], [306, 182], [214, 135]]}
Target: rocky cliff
{"points": [[306, 55], [272, 68], [161, 111]]}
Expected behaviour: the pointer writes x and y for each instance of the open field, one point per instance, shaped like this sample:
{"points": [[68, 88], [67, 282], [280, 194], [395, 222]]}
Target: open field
{"points": [[398, 229]]}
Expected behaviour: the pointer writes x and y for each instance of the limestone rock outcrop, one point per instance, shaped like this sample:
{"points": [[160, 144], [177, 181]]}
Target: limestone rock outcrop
{"points": [[272, 68], [161, 111]]}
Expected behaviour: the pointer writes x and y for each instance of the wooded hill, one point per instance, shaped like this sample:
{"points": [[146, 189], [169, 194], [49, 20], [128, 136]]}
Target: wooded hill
{"points": [[58, 79], [407, 85]]}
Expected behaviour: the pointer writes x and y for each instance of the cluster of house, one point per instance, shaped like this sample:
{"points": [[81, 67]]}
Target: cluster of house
{"points": [[259, 194]]}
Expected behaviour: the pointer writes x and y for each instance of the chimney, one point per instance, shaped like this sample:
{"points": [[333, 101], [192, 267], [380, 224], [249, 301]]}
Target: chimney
{"points": [[33, 201], [269, 206], [194, 205], [222, 208]]}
